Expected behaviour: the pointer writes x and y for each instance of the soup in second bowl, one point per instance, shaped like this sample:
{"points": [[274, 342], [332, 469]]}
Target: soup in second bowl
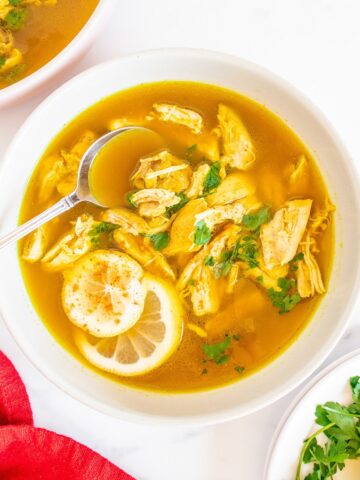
{"points": [[32, 32], [215, 250]]}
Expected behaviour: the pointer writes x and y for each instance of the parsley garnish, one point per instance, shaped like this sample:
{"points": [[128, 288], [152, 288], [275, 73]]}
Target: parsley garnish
{"points": [[98, 230], [175, 208], [341, 425], [189, 152], [129, 199], [202, 234], [2, 60], [16, 18], [244, 250], [253, 221], [239, 369], [216, 351], [281, 299], [212, 179], [15, 3], [293, 263], [209, 261], [159, 240]]}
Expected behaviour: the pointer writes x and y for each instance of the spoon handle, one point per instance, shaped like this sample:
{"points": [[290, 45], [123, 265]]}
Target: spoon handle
{"points": [[60, 207]]}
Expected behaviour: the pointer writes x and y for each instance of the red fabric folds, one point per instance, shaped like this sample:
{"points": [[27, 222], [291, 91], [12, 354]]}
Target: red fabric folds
{"points": [[27, 452]]}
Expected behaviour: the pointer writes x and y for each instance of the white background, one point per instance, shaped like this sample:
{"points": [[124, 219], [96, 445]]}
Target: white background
{"points": [[313, 44]]}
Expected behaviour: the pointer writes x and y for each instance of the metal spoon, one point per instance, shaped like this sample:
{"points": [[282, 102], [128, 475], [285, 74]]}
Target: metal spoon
{"points": [[82, 192]]}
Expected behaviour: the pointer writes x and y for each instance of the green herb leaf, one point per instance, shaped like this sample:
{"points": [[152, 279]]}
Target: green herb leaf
{"points": [[216, 351], [202, 233], [355, 388], [253, 221], [212, 179], [2, 60], [189, 152], [159, 240], [239, 369], [293, 263], [129, 199], [209, 261], [175, 208], [236, 337], [15, 3], [100, 229], [16, 18], [281, 299]]}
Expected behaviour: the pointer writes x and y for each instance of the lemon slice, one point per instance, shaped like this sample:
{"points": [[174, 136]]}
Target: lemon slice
{"points": [[148, 344], [104, 293]]}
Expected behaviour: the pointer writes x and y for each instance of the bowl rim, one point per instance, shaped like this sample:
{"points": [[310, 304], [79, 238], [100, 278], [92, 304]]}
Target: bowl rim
{"points": [[78, 45], [286, 387]]}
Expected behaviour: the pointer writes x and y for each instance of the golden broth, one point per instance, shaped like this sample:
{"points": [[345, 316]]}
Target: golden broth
{"points": [[46, 32], [259, 333]]}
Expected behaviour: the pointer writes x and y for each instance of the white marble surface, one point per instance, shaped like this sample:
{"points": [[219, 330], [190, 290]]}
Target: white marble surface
{"points": [[312, 43]]}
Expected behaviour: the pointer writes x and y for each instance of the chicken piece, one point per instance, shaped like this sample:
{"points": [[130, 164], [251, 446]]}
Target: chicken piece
{"points": [[237, 147], [141, 250], [280, 237], [196, 188], [162, 170], [36, 244], [268, 278], [321, 218], [215, 216], [167, 112], [71, 246], [235, 186], [300, 169], [200, 332], [308, 275], [153, 202], [64, 168], [5, 8], [183, 228], [203, 292], [131, 222], [9, 55]]}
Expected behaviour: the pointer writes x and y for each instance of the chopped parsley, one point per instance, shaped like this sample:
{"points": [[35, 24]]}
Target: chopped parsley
{"points": [[260, 279], [16, 18], [212, 179], [283, 299], [293, 263], [217, 351], [202, 234], [244, 250], [175, 208], [340, 424], [159, 240], [239, 369], [253, 221], [236, 337], [15, 3], [100, 229], [129, 198], [209, 261], [189, 152], [2, 60]]}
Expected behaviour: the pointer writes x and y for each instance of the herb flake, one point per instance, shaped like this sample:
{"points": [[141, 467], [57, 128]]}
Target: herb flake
{"points": [[217, 351], [212, 179], [202, 234]]}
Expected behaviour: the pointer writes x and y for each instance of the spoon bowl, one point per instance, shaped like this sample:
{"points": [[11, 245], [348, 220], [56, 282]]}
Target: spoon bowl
{"points": [[82, 192]]}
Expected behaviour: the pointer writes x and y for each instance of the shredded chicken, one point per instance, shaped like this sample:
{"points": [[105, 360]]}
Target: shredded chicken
{"points": [[132, 222], [167, 112], [162, 170], [280, 237], [235, 186], [299, 169], [141, 250], [196, 188], [71, 246], [200, 332], [10, 55], [308, 275], [183, 228], [215, 216], [36, 244], [237, 147], [62, 175], [153, 202]]}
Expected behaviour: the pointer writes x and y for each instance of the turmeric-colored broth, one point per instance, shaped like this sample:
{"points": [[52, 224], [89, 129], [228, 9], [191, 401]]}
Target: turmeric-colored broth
{"points": [[48, 29], [258, 332]]}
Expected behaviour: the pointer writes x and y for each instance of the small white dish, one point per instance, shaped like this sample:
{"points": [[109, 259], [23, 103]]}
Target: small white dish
{"points": [[68, 56], [331, 384], [313, 344]]}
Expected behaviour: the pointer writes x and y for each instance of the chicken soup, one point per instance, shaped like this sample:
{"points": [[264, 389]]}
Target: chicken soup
{"points": [[32, 32], [213, 255]]}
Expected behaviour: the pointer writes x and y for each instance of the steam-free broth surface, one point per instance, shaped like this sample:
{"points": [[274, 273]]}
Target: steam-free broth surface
{"points": [[253, 312]]}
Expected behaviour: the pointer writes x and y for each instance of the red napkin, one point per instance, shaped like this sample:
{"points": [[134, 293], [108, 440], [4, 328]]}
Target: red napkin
{"points": [[27, 452]]}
